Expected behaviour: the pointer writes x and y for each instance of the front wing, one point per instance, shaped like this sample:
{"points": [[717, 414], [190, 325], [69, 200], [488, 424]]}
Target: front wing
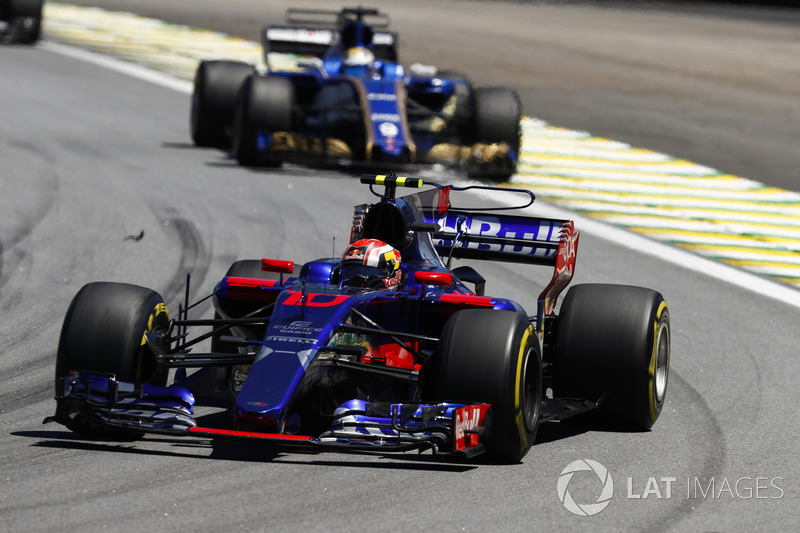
{"points": [[96, 402]]}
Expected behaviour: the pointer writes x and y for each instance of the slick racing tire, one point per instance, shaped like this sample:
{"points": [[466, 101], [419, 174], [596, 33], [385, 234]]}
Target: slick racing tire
{"points": [[265, 104], [493, 357], [216, 84], [496, 116], [462, 117], [25, 17], [613, 341], [104, 331]]}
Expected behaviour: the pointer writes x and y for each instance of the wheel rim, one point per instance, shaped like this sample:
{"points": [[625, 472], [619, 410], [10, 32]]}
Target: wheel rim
{"points": [[530, 390], [662, 362]]}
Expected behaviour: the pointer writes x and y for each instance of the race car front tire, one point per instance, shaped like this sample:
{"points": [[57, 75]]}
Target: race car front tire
{"points": [[265, 104], [216, 84], [613, 342], [26, 18], [493, 357], [104, 331], [496, 116]]}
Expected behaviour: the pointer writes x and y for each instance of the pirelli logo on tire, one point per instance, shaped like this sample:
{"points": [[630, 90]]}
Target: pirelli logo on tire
{"points": [[160, 307]]}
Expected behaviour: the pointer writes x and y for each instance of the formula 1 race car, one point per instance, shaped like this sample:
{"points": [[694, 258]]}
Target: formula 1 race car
{"points": [[20, 21], [348, 100], [384, 349]]}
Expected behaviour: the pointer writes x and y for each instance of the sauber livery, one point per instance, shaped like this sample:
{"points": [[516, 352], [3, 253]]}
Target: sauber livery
{"points": [[338, 95]]}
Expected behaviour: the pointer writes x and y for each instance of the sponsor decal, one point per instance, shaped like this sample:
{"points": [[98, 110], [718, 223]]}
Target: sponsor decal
{"points": [[385, 117], [281, 338], [355, 255], [444, 199], [383, 38], [565, 262], [301, 328], [239, 375], [298, 331], [394, 280], [389, 129], [465, 420], [382, 97], [490, 226], [300, 35]]}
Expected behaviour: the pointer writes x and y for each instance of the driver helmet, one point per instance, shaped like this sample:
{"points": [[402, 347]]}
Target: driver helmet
{"points": [[358, 61], [371, 263]]}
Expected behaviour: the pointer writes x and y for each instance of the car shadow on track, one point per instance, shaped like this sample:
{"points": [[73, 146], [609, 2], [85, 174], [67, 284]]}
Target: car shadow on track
{"points": [[578, 425], [181, 145], [555, 431], [238, 451]]}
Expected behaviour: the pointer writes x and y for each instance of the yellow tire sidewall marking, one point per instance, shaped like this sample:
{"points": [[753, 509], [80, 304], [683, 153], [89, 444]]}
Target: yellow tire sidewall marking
{"points": [[520, 419], [653, 359]]}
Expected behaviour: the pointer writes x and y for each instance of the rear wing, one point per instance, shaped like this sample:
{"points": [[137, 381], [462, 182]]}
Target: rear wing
{"points": [[490, 232], [487, 232], [335, 18], [315, 41], [311, 32], [515, 239], [495, 237]]}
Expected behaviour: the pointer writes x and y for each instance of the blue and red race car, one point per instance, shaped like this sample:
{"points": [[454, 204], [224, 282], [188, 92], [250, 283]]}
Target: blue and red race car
{"points": [[386, 348], [348, 100]]}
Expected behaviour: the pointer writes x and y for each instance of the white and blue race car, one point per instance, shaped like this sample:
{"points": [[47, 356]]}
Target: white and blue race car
{"points": [[345, 98]]}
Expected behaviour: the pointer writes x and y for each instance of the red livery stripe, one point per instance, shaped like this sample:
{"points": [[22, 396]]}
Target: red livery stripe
{"points": [[234, 433], [251, 282], [468, 299]]}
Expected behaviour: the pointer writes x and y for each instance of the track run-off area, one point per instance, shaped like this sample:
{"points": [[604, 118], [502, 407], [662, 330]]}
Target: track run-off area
{"points": [[723, 217]]}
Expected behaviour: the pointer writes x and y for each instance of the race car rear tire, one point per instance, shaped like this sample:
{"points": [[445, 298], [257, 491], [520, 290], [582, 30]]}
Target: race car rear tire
{"points": [[493, 357], [216, 84], [103, 331], [265, 104], [496, 116], [613, 341]]}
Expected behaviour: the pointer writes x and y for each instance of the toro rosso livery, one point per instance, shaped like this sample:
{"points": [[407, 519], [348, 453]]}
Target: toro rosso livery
{"points": [[345, 98], [385, 348]]}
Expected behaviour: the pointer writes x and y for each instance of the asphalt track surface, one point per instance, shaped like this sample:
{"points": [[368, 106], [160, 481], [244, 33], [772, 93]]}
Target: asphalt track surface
{"points": [[90, 157]]}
